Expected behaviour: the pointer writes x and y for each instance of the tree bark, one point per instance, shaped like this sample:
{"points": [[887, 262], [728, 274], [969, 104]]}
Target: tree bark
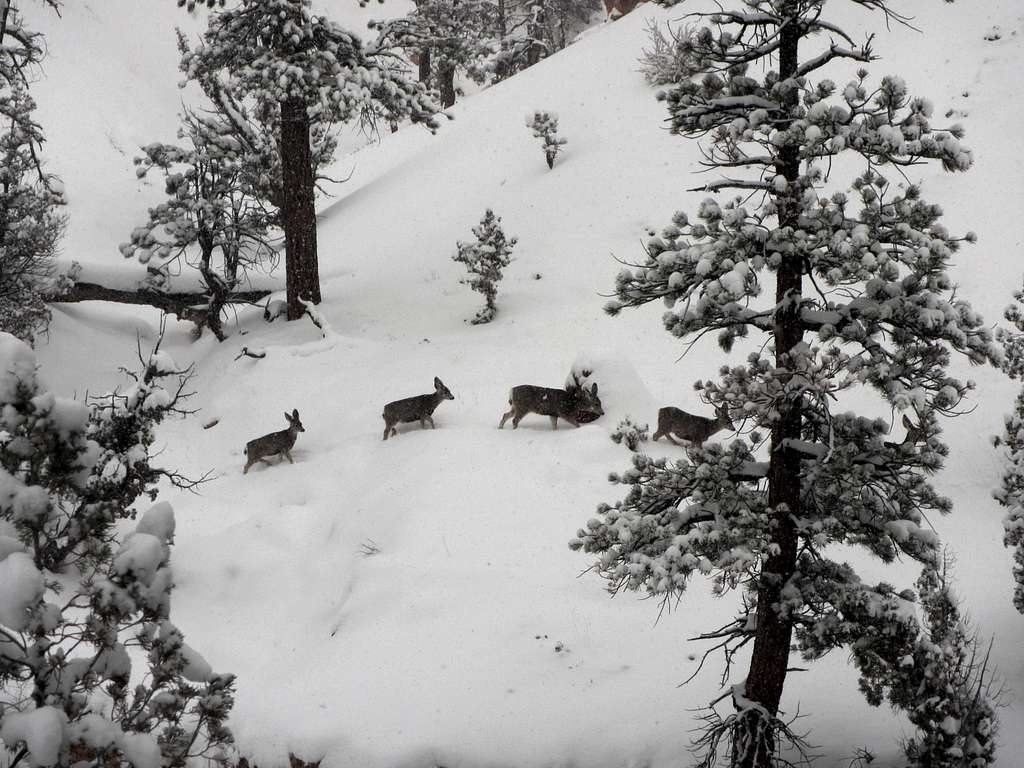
{"points": [[770, 658], [446, 84], [298, 215], [194, 307], [424, 66]]}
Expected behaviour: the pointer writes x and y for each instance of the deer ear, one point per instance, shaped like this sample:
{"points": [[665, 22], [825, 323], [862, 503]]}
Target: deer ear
{"points": [[593, 389], [295, 413], [287, 416], [437, 383]]}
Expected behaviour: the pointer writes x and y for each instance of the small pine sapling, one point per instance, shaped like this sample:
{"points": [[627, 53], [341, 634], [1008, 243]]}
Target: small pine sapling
{"points": [[485, 259], [545, 127], [630, 433]]}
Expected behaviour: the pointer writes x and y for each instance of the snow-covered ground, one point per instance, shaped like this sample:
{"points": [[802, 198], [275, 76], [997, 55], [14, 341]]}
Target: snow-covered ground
{"points": [[470, 637]]}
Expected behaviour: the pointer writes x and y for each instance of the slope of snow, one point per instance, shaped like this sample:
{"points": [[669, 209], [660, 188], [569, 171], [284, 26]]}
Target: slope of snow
{"points": [[412, 602]]}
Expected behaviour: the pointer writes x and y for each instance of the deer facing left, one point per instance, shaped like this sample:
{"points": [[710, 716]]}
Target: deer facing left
{"points": [[274, 444]]}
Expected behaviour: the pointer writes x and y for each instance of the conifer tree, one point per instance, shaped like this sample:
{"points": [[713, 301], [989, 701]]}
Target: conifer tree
{"points": [[30, 198], [1011, 489], [215, 218], [75, 597], [447, 36], [485, 259], [858, 295], [296, 74], [545, 127]]}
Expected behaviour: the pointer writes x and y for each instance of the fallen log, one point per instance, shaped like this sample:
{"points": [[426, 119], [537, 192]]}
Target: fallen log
{"points": [[194, 307]]}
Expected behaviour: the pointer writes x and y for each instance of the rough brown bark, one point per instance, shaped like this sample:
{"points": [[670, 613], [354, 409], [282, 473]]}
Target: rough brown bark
{"points": [[424, 66], [770, 658], [446, 84], [298, 216]]}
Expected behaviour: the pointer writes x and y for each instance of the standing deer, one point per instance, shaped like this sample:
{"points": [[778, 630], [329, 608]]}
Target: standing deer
{"points": [[576, 403], [686, 426], [418, 408], [275, 443]]}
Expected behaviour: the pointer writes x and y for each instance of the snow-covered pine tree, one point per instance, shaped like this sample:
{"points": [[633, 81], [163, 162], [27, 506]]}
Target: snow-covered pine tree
{"points": [[485, 258], [30, 198], [215, 219], [297, 75], [447, 37], [545, 127], [1011, 490], [89, 462], [67, 688], [880, 311]]}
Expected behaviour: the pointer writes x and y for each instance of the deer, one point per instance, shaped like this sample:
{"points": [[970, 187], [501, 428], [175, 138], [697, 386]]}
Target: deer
{"points": [[686, 426], [417, 408], [274, 444], [575, 404]]}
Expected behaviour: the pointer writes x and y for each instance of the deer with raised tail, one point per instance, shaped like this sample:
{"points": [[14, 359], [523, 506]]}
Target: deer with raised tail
{"points": [[686, 426]]}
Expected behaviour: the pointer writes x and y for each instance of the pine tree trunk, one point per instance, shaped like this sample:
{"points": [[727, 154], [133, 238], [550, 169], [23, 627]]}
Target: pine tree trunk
{"points": [[446, 78], [770, 658], [298, 216], [424, 66]]}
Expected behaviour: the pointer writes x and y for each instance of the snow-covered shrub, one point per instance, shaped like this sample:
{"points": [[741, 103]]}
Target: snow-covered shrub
{"points": [[67, 688], [545, 127], [69, 470], [485, 258], [669, 57], [630, 433]]}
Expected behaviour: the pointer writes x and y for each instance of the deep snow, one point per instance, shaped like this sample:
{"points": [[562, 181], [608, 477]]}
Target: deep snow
{"points": [[470, 638]]}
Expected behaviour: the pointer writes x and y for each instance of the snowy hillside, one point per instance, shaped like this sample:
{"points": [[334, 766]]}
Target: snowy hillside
{"points": [[413, 602]]}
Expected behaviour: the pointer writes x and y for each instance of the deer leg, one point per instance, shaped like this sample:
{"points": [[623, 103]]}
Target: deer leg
{"points": [[506, 417], [670, 438], [387, 430], [656, 435], [554, 422], [423, 423], [288, 455], [517, 418], [573, 422], [247, 465], [431, 420]]}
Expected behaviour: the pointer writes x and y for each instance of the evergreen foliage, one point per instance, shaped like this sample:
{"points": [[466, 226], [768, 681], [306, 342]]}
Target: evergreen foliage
{"points": [[31, 225], [89, 462], [215, 219], [545, 127], [285, 79], [668, 60], [1011, 491], [879, 311], [447, 37], [630, 433], [485, 259], [75, 599]]}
